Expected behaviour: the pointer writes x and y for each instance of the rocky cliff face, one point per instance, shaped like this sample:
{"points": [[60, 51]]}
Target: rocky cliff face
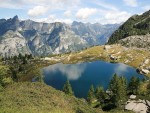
{"points": [[139, 41], [94, 34], [29, 37]]}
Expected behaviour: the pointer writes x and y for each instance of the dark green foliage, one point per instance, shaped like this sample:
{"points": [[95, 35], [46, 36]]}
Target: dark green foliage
{"points": [[14, 74], [24, 60], [67, 88], [136, 25], [148, 89], [20, 68], [3, 74], [118, 90], [23, 67], [100, 94], [91, 95], [134, 85], [15, 59], [20, 56], [4, 77]]}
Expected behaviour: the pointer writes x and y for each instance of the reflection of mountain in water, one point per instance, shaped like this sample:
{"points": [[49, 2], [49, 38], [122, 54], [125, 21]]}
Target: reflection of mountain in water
{"points": [[72, 72]]}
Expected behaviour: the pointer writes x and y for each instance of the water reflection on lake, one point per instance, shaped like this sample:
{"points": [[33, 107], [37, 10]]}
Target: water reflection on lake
{"points": [[82, 75], [72, 72]]}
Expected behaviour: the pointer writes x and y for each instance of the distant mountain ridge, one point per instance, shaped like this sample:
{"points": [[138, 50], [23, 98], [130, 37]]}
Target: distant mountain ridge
{"points": [[37, 38], [94, 33], [136, 25]]}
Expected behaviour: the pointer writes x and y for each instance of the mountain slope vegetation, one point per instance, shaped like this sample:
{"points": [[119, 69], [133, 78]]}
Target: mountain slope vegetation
{"points": [[136, 25], [37, 97]]}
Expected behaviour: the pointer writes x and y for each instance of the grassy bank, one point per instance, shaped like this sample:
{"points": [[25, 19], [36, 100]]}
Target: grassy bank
{"points": [[39, 98]]}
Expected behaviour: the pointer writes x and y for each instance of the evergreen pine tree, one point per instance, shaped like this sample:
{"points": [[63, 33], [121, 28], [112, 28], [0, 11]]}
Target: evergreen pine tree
{"points": [[67, 88], [134, 84], [118, 88], [137, 85], [20, 56], [100, 94], [24, 60], [91, 95]]}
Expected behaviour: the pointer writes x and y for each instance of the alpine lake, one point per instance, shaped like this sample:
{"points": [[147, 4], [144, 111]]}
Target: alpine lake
{"points": [[83, 75]]}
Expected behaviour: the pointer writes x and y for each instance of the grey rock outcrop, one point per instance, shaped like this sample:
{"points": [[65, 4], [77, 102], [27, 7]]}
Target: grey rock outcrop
{"points": [[37, 38], [139, 41]]}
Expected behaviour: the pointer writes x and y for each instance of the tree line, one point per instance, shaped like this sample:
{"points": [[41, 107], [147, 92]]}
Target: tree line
{"points": [[11, 66], [115, 96]]}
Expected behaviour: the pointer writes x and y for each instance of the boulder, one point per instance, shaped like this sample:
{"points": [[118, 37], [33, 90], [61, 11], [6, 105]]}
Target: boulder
{"points": [[113, 57], [146, 61], [145, 71], [106, 47], [132, 97]]}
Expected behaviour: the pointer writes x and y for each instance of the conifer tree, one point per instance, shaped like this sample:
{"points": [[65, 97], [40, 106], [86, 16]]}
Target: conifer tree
{"points": [[148, 90], [20, 56], [134, 85], [67, 88], [118, 88], [91, 95], [100, 94]]}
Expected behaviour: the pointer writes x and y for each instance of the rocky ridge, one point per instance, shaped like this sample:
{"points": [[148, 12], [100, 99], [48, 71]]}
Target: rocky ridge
{"points": [[139, 41], [42, 39]]}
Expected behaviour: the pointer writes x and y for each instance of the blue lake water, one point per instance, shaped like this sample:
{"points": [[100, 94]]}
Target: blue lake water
{"points": [[83, 75]]}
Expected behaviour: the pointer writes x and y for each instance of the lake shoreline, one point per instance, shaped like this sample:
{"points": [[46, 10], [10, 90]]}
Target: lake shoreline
{"points": [[108, 54]]}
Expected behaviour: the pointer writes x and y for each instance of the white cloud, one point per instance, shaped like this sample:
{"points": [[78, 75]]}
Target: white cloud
{"points": [[116, 16], [105, 5], [52, 19], [112, 16], [53, 4], [131, 3], [37, 11], [84, 13], [67, 13], [104, 13]]}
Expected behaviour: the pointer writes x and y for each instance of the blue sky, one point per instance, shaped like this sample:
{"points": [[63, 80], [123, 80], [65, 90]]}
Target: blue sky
{"points": [[101, 11]]}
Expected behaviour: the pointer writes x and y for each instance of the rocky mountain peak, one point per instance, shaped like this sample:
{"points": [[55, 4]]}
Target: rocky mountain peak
{"points": [[15, 18], [48, 38], [74, 23]]}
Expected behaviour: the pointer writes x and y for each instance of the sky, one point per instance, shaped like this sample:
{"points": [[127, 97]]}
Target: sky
{"points": [[93, 11]]}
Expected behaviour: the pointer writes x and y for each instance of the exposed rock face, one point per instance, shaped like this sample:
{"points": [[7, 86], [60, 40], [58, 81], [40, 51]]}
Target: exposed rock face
{"points": [[13, 43], [139, 41], [94, 33], [29, 37]]}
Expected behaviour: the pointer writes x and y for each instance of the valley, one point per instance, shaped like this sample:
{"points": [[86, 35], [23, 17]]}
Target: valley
{"points": [[95, 67]]}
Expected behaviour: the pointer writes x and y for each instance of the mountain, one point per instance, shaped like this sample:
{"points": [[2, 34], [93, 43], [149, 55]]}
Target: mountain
{"points": [[94, 34], [41, 39], [135, 25]]}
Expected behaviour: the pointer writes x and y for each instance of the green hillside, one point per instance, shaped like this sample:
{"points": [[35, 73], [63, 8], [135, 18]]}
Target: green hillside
{"points": [[39, 98], [136, 25]]}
